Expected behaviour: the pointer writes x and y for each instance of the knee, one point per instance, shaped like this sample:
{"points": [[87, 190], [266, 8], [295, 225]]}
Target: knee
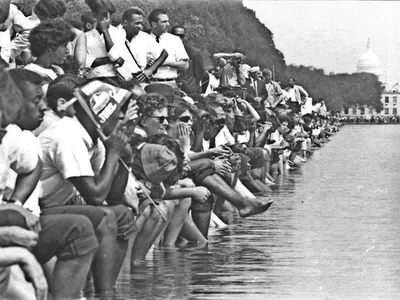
{"points": [[184, 204], [108, 224], [146, 212], [125, 220]]}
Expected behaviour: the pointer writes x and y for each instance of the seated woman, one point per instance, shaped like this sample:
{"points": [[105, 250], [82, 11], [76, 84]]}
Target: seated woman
{"points": [[154, 120], [49, 42]]}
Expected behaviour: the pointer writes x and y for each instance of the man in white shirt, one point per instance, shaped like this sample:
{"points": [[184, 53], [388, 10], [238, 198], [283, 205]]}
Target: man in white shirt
{"points": [[70, 238], [297, 95], [141, 53], [177, 57]]}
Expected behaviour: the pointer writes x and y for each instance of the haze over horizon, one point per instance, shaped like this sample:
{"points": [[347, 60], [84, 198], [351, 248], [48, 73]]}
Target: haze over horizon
{"points": [[332, 35]]}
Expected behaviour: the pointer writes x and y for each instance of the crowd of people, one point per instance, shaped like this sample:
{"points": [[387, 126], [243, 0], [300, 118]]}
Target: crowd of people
{"points": [[372, 120], [114, 137]]}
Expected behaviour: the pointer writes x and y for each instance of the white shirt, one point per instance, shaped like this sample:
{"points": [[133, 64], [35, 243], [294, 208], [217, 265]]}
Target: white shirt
{"points": [[68, 151], [142, 47], [20, 24], [176, 52], [96, 48], [224, 137], [19, 154], [48, 75]]}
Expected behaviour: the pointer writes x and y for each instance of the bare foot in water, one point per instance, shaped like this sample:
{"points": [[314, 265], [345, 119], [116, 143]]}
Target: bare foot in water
{"points": [[255, 206]]}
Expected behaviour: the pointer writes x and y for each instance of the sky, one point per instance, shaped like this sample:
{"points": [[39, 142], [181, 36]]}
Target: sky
{"points": [[332, 35]]}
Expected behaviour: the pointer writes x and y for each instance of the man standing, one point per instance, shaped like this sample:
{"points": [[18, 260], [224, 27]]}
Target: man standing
{"points": [[256, 91], [273, 89], [142, 54], [296, 94], [177, 59], [191, 78]]}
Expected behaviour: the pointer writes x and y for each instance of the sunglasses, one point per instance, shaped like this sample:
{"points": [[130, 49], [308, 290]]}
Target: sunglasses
{"points": [[185, 119], [160, 119]]}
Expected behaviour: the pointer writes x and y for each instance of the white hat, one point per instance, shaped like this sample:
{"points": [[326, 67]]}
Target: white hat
{"points": [[254, 69]]}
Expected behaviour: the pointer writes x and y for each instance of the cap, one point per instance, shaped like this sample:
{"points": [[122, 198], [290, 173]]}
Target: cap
{"points": [[254, 69], [158, 162], [162, 89]]}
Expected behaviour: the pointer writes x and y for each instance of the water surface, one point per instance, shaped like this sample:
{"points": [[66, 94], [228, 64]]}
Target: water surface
{"points": [[332, 233]]}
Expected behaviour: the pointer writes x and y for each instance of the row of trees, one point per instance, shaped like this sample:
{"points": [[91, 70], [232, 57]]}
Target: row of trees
{"points": [[224, 25]]}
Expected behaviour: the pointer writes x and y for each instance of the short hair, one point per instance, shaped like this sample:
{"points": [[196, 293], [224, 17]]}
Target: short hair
{"points": [[11, 98], [240, 51], [177, 27], [50, 35], [50, 9], [62, 87], [291, 78], [151, 102], [153, 16], [266, 71], [21, 76], [126, 16], [88, 17], [97, 6]]}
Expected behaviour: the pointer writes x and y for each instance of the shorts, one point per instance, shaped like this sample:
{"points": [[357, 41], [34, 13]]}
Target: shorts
{"points": [[257, 159], [203, 207], [125, 220], [275, 156], [93, 213], [198, 177], [65, 236]]}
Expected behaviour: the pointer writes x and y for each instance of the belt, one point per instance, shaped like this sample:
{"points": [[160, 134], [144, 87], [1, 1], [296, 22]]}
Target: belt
{"points": [[162, 79]]}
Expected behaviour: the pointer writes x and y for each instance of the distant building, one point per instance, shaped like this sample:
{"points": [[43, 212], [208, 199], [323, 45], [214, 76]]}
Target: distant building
{"points": [[390, 102], [369, 62]]}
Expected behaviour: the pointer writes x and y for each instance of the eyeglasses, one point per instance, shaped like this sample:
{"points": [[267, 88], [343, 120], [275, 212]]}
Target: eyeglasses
{"points": [[161, 119], [185, 119]]}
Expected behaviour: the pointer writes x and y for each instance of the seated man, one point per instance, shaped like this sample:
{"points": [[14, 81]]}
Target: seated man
{"points": [[211, 165], [104, 220], [68, 237]]}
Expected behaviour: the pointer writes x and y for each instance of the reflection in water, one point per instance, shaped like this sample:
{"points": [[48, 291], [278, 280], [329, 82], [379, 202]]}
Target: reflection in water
{"points": [[332, 233]]}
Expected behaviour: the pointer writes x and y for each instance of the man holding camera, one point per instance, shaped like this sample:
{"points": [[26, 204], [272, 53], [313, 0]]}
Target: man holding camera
{"points": [[233, 73]]}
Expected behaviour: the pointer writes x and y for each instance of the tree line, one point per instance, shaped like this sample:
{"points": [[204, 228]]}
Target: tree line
{"points": [[225, 25]]}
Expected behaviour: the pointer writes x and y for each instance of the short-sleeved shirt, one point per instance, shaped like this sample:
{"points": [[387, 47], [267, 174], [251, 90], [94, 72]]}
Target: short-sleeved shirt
{"points": [[96, 48], [224, 137], [176, 52], [19, 154], [68, 151], [142, 47], [274, 90]]}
